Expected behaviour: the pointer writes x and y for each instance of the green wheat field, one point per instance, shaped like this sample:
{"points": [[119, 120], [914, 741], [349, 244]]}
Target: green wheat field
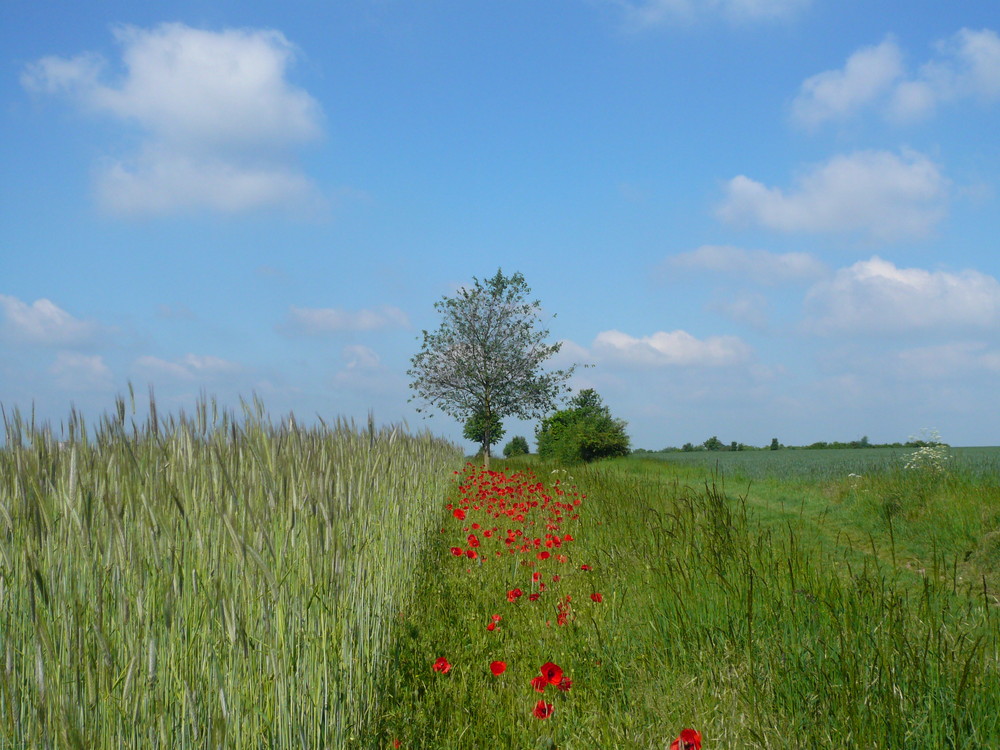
{"points": [[233, 580]]}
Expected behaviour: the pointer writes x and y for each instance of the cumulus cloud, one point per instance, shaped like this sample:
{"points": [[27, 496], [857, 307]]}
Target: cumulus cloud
{"points": [[323, 321], [645, 13], [669, 348], [875, 193], [760, 266], [189, 367], [965, 66], [875, 296], [217, 115], [44, 323], [868, 74]]}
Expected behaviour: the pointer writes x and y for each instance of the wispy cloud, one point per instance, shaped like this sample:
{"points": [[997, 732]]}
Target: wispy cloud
{"points": [[189, 367], [760, 266], [647, 13], [668, 349], [875, 296], [81, 372], [874, 193], [965, 66], [324, 321], [217, 116]]}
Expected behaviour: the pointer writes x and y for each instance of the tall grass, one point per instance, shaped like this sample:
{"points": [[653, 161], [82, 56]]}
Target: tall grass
{"points": [[211, 580], [711, 618]]}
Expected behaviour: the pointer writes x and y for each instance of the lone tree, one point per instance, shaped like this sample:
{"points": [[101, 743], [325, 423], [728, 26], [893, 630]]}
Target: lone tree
{"points": [[487, 356], [483, 430]]}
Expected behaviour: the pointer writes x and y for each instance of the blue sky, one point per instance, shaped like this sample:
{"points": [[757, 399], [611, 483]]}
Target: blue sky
{"points": [[754, 218]]}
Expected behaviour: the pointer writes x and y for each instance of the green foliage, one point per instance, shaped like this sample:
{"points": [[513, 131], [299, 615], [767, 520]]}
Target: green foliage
{"points": [[488, 353], [518, 446], [483, 429], [713, 444], [585, 431]]}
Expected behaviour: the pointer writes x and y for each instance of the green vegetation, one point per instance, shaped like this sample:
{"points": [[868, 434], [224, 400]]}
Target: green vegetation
{"points": [[518, 446], [585, 431], [210, 581], [216, 580], [487, 430], [487, 356], [762, 626]]}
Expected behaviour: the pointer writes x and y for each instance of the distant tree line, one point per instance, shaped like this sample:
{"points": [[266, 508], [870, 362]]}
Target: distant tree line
{"points": [[715, 444]]}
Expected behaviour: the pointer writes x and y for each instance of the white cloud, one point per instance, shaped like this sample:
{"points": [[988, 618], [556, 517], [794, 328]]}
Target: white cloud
{"points": [[81, 372], [874, 296], [44, 323], [875, 193], [322, 321], [188, 367], [868, 74], [218, 118], [673, 348], [965, 66], [645, 13], [159, 182], [759, 265]]}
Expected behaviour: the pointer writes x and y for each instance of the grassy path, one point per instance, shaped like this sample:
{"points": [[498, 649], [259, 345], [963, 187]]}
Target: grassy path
{"points": [[753, 633]]}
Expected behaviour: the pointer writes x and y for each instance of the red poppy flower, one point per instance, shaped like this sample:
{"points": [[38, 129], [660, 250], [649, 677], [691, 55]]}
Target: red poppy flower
{"points": [[584, 567], [544, 555], [456, 551], [496, 618], [471, 554], [498, 667], [459, 514], [551, 672], [689, 739], [491, 626], [533, 597], [538, 683], [441, 665], [542, 710], [597, 597], [565, 684]]}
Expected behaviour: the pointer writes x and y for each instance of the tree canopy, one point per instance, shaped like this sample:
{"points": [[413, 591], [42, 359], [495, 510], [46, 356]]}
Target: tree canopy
{"points": [[488, 354], [486, 431], [583, 432]]}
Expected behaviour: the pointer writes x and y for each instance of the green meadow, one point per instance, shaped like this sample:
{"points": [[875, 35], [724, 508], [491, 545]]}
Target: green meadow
{"points": [[228, 580]]}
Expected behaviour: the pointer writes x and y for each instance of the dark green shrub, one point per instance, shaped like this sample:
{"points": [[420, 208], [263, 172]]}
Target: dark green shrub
{"points": [[585, 431], [518, 446]]}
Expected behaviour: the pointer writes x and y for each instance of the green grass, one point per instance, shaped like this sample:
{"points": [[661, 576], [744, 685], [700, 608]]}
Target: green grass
{"points": [[827, 464], [763, 630]]}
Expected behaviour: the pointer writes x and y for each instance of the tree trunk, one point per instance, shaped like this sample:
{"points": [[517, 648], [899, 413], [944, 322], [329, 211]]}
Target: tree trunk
{"points": [[486, 456]]}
